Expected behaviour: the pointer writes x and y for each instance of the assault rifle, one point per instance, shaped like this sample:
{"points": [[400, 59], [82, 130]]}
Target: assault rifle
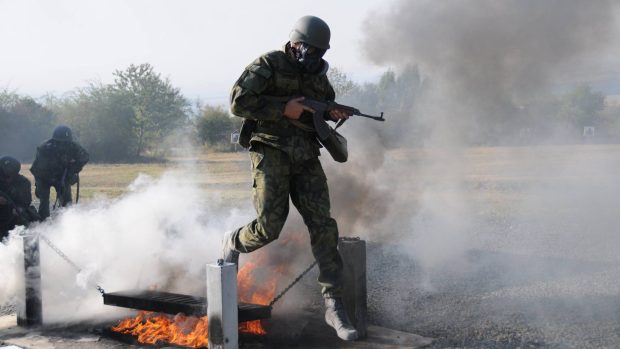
{"points": [[321, 110]]}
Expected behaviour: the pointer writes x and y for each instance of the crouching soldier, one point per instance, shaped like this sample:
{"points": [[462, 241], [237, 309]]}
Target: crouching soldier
{"points": [[15, 197], [57, 164]]}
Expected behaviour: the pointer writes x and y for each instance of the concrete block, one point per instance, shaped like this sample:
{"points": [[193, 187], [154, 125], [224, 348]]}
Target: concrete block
{"points": [[353, 252], [222, 305]]}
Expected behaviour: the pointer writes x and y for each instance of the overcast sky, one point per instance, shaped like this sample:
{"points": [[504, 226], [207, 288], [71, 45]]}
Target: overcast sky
{"points": [[202, 46]]}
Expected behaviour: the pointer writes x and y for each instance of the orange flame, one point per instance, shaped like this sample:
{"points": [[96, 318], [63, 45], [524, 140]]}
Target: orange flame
{"points": [[151, 328], [188, 331], [257, 282], [257, 286], [253, 327], [191, 331]]}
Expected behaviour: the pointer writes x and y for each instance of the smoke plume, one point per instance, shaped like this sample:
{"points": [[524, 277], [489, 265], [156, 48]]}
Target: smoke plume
{"points": [[158, 236], [474, 231], [487, 58], [480, 62]]}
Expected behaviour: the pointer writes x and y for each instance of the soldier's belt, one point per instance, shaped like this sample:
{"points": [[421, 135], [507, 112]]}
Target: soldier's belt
{"points": [[282, 132]]}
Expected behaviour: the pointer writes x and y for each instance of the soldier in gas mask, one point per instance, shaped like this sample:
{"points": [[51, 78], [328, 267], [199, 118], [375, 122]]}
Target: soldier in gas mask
{"points": [[285, 162], [57, 164]]}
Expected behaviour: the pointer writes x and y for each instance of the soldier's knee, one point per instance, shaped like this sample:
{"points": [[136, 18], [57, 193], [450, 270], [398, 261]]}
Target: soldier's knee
{"points": [[271, 238], [41, 191], [269, 232]]}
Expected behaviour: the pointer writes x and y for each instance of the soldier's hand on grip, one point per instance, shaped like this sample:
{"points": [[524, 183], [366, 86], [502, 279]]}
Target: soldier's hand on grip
{"points": [[339, 114], [295, 107]]}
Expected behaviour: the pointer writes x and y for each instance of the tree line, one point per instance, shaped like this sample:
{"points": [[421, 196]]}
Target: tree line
{"points": [[553, 118], [141, 116], [138, 117]]}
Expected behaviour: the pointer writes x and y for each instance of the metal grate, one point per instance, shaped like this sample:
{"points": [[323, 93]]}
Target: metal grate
{"points": [[173, 303]]}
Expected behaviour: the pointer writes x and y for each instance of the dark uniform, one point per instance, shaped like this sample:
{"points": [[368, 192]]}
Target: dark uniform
{"points": [[285, 161], [15, 202], [57, 164]]}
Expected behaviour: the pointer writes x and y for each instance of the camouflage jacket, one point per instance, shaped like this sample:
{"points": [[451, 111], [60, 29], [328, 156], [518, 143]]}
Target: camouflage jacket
{"points": [[53, 157], [277, 74]]}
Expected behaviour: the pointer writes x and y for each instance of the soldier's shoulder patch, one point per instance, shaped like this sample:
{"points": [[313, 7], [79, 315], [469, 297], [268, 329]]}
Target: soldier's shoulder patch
{"points": [[260, 70], [275, 54], [275, 58]]}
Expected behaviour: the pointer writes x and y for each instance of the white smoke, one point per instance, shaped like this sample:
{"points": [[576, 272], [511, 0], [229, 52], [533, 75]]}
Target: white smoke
{"points": [[160, 235], [482, 60], [487, 58]]}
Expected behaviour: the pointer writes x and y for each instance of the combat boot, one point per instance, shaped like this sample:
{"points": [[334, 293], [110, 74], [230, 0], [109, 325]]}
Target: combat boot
{"points": [[336, 317], [229, 254]]}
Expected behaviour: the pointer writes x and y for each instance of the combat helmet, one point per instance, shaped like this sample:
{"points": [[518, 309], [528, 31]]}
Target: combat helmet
{"points": [[311, 30], [9, 166], [62, 133]]}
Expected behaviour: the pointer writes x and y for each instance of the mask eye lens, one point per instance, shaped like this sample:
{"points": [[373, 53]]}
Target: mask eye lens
{"points": [[307, 49]]}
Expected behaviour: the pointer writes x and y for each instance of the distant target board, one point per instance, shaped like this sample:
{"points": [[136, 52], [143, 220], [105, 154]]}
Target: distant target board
{"points": [[234, 137], [588, 131]]}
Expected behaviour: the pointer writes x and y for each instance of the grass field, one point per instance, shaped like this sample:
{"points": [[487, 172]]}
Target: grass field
{"points": [[226, 172], [498, 177]]}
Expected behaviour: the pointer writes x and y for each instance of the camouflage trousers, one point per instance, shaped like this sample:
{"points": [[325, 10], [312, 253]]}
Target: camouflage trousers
{"points": [[276, 178], [42, 191]]}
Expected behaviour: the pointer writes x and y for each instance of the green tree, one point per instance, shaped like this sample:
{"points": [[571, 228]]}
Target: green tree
{"points": [[24, 124], [215, 125], [582, 107], [395, 95], [158, 107], [340, 82], [99, 116]]}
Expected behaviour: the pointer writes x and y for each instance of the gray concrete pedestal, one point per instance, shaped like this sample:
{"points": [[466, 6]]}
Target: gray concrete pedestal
{"points": [[222, 305], [29, 307]]}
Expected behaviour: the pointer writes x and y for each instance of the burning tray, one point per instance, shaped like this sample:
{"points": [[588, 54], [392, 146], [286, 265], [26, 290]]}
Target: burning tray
{"points": [[174, 303]]}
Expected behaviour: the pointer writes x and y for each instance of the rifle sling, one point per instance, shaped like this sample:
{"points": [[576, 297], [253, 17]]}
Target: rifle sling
{"points": [[301, 125]]}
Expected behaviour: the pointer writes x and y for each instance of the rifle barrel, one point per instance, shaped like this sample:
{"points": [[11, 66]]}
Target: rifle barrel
{"points": [[374, 117]]}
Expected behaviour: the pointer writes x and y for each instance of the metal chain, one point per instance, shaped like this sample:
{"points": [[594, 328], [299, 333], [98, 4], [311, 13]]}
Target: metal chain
{"points": [[297, 279], [67, 259], [288, 288], [60, 253]]}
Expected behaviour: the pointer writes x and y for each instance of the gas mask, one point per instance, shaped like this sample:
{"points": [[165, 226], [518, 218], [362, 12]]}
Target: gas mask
{"points": [[308, 57]]}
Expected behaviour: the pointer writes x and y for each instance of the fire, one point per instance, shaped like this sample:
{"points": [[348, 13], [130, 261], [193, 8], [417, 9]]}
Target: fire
{"points": [[151, 328], [257, 279], [257, 282], [188, 331], [253, 327], [257, 287]]}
